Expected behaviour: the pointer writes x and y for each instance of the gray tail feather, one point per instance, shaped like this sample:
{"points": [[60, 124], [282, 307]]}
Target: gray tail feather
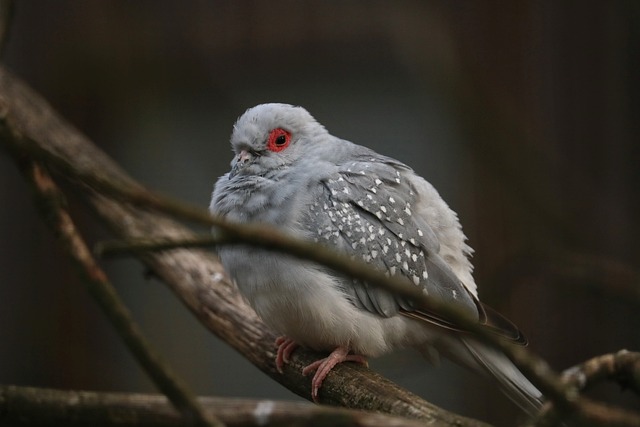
{"points": [[512, 382]]}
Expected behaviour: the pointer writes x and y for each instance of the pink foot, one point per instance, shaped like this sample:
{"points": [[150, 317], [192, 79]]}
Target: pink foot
{"points": [[322, 367], [285, 348]]}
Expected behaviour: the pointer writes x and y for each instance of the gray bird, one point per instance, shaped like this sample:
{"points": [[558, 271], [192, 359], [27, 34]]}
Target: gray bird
{"points": [[290, 173]]}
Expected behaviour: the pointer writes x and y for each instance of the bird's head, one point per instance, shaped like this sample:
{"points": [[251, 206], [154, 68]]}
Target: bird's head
{"points": [[271, 136]]}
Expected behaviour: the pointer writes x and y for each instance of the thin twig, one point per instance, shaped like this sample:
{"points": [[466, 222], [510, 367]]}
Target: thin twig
{"points": [[53, 207], [563, 395], [533, 366], [622, 367]]}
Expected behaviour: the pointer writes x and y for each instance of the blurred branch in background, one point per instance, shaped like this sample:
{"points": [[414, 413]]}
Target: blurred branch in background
{"points": [[33, 406], [199, 281], [622, 368]]}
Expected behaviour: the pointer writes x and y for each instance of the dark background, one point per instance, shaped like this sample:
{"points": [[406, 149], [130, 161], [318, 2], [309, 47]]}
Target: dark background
{"points": [[525, 115]]}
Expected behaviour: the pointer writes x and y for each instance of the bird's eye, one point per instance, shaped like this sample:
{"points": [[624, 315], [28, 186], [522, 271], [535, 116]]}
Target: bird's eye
{"points": [[279, 139]]}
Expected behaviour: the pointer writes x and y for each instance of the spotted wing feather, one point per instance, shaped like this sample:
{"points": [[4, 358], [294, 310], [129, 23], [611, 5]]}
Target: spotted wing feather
{"points": [[365, 209]]}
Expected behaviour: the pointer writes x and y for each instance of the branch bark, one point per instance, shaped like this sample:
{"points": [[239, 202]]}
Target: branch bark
{"points": [[195, 276]]}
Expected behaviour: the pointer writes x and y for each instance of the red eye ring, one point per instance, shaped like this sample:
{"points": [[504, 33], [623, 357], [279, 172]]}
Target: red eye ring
{"points": [[279, 139]]}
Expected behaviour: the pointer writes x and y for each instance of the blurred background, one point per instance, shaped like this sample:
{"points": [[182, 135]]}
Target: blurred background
{"points": [[525, 115]]}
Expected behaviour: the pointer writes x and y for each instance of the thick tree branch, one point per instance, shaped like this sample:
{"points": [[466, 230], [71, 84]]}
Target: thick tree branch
{"points": [[28, 126]]}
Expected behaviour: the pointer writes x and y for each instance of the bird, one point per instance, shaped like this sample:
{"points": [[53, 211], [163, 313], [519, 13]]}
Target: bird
{"points": [[290, 173]]}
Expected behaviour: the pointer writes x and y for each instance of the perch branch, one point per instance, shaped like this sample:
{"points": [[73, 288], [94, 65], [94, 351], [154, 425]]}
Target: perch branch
{"points": [[52, 204]]}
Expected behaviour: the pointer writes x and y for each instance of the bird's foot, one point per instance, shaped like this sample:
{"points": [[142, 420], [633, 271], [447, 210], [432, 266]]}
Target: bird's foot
{"points": [[322, 367], [285, 348]]}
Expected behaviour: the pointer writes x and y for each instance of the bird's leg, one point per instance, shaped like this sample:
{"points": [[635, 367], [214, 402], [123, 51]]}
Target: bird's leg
{"points": [[322, 367], [285, 348]]}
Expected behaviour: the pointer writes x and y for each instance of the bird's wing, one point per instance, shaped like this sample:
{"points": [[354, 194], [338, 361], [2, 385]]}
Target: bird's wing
{"points": [[365, 209]]}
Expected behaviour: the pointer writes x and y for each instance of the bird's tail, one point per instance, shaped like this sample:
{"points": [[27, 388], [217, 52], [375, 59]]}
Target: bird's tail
{"points": [[497, 365]]}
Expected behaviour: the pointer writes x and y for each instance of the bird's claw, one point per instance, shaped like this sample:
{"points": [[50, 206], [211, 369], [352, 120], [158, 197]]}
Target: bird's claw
{"points": [[321, 367], [286, 346]]}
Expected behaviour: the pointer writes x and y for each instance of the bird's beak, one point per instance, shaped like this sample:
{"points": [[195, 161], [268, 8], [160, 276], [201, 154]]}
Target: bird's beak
{"points": [[242, 159]]}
